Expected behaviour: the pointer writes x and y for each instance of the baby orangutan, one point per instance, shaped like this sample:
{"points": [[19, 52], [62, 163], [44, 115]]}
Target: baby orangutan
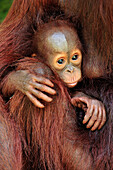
{"points": [[58, 45]]}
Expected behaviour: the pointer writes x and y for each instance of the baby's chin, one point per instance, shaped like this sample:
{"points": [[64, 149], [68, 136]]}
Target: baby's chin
{"points": [[71, 85]]}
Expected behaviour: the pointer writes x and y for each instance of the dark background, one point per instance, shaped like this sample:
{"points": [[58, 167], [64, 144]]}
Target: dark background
{"points": [[4, 7]]}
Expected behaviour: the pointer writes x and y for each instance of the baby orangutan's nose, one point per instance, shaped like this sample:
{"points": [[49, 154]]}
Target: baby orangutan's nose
{"points": [[70, 69]]}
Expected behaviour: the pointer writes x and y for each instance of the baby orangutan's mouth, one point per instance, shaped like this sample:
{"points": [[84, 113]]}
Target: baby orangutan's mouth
{"points": [[71, 85]]}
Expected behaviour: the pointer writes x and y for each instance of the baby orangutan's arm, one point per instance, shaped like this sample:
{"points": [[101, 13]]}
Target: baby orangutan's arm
{"points": [[95, 110], [32, 86]]}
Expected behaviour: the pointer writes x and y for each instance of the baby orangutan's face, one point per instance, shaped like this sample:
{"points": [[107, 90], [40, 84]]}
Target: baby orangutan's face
{"points": [[60, 46]]}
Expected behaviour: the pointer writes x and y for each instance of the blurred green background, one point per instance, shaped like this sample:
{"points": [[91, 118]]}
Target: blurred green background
{"points": [[4, 7]]}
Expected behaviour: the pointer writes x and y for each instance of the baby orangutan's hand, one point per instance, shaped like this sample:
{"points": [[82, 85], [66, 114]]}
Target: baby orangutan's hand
{"points": [[32, 86], [95, 110]]}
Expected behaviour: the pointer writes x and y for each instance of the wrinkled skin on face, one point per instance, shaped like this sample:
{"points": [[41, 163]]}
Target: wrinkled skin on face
{"points": [[62, 53]]}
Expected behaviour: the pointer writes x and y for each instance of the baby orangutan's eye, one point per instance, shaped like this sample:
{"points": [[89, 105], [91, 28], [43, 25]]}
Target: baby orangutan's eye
{"points": [[75, 57], [60, 61]]}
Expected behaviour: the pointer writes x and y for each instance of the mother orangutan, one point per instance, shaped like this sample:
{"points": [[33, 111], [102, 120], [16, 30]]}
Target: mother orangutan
{"points": [[52, 136]]}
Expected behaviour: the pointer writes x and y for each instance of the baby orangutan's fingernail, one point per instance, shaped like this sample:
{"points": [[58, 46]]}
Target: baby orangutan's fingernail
{"points": [[48, 99], [40, 105]]}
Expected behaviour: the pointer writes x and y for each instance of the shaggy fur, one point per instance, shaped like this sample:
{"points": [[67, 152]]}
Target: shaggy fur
{"points": [[52, 135]]}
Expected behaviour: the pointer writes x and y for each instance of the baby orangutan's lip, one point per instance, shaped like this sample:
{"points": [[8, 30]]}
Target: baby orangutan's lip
{"points": [[71, 85]]}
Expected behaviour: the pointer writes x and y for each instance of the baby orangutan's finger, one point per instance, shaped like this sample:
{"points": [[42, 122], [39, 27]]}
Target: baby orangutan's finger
{"points": [[103, 119], [43, 80], [84, 107], [34, 100], [97, 122], [77, 102], [74, 102], [43, 88], [93, 118], [39, 94], [88, 114]]}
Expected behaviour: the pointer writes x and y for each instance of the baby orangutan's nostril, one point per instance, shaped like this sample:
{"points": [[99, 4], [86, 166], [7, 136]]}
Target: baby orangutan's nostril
{"points": [[70, 70]]}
